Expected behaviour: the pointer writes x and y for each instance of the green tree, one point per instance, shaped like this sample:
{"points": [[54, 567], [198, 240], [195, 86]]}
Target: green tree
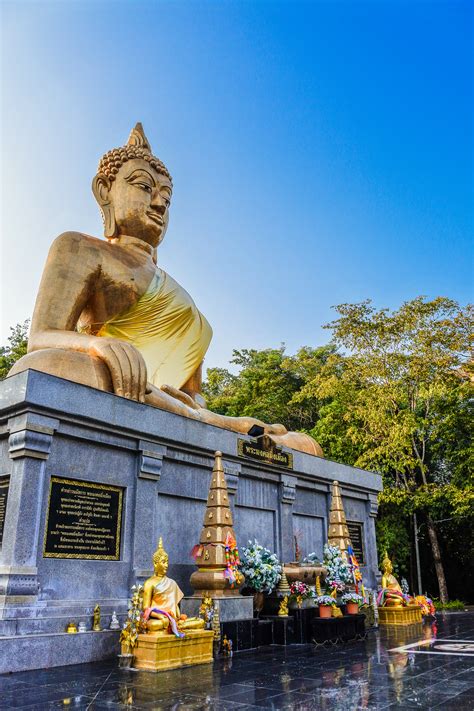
{"points": [[266, 386], [402, 388], [16, 348]]}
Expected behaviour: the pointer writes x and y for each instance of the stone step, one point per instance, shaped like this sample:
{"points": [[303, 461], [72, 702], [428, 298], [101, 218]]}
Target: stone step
{"points": [[51, 608], [41, 651], [42, 625]]}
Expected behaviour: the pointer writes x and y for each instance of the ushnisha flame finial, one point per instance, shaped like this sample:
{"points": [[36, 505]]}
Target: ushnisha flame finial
{"points": [[137, 138]]}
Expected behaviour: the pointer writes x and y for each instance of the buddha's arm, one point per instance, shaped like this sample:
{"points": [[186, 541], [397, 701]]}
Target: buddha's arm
{"points": [[70, 278], [147, 595]]}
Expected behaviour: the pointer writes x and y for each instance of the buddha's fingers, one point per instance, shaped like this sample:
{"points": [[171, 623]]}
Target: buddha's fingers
{"points": [[180, 395], [141, 380], [105, 353], [125, 368]]}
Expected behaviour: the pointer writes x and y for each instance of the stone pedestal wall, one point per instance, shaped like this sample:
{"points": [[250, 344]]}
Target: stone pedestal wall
{"points": [[50, 427]]}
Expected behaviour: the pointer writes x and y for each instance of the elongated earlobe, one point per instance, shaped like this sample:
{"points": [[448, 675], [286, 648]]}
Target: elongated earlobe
{"points": [[101, 188]]}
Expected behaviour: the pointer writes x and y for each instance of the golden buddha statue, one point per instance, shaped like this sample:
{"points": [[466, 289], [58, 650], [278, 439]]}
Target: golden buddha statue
{"points": [[161, 598], [392, 592], [109, 317]]}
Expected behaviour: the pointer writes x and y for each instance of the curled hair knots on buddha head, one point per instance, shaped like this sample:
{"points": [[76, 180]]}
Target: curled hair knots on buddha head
{"points": [[136, 147], [112, 161]]}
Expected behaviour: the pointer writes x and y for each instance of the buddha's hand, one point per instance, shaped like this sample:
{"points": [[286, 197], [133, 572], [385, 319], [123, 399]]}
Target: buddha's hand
{"points": [[180, 395], [126, 365]]}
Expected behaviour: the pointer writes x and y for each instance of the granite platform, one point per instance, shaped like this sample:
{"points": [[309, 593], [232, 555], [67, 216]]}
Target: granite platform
{"points": [[366, 674], [152, 469]]}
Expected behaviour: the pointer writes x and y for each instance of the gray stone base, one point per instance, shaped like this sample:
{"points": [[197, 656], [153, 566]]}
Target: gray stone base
{"points": [[41, 651], [230, 609], [162, 462]]}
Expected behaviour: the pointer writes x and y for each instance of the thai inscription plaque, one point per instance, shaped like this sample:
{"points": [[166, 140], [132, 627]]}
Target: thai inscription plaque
{"points": [[356, 534], [84, 520], [4, 485], [265, 450]]}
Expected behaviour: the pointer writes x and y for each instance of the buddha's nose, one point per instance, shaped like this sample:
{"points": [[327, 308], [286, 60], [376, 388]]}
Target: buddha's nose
{"points": [[158, 203]]}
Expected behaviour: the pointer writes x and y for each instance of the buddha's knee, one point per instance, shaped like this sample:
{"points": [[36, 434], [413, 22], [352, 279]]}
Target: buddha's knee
{"points": [[70, 365], [154, 625], [191, 623]]}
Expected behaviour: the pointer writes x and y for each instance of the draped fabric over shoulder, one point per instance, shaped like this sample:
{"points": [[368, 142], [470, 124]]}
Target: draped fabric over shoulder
{"points": [[167, 328]]}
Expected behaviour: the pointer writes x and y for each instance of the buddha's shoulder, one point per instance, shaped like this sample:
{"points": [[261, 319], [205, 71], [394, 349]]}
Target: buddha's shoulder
{"points": [[72, 241]]}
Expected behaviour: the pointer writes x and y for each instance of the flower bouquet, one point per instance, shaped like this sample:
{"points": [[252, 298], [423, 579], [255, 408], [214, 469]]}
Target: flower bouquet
{"points": [[300, 592], [338, 573], [325, 603], [261, 569], [352, 601]]}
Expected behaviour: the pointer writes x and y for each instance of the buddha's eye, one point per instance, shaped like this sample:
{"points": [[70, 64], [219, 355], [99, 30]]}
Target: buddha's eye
{"points": [[144, 186]]}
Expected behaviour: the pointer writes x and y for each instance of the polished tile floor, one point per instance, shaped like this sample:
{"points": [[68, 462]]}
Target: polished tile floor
{"points": [[358, 675]]}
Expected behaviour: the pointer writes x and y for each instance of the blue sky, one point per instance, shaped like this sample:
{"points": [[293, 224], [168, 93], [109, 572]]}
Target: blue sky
{"points": [[321, 152]]}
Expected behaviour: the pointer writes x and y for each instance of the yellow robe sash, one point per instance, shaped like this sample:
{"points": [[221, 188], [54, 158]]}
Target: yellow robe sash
{"points": [[167, 595], [167, 328]]}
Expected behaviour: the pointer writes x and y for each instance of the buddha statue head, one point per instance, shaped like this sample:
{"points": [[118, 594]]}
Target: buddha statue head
{"points": [[133, 189], [160, 559], [387, 567]]}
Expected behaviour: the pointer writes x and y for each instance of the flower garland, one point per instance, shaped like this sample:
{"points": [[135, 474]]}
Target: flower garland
{"points": [[232, 561]]}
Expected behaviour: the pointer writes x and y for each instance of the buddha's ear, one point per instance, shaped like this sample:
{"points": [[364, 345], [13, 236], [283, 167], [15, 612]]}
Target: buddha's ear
{"points": [[101, 190]]}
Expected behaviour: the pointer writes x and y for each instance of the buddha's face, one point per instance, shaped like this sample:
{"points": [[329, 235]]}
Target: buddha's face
{"points": [[387, 567], [161, 565], [139, 199]]}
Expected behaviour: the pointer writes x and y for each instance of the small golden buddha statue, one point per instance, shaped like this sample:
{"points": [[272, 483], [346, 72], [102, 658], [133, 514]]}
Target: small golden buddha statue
{"points": [[108, 316], [392, 592], [161, 598], [96, 622]]}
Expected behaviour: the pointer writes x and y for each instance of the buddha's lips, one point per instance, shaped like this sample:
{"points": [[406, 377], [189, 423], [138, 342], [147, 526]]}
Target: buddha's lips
{"points": [[156, 218]]}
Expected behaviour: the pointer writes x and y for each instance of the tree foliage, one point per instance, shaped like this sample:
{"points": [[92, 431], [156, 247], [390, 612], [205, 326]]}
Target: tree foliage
{"points": [[267, 386], [16, 348], [391, 393]]}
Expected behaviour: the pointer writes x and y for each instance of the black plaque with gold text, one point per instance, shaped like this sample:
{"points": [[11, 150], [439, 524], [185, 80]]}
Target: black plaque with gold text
{"points": [[84, 520], [265, 451], [357, 540], [4, 485]]}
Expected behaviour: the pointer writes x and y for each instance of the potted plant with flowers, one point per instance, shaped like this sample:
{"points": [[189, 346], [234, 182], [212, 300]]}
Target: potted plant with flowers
{"points": [[301, 594], [262, 571], [325, 603], [352, 601]]}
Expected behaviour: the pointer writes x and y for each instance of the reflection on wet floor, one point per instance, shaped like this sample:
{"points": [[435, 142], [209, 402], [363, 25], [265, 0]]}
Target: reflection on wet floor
{"points": [[359, 675]]}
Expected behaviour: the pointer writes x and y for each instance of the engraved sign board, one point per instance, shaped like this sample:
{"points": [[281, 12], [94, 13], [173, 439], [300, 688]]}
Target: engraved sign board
{"points": [[4, 485], [356, 534], [263, 452], [84, 520]]}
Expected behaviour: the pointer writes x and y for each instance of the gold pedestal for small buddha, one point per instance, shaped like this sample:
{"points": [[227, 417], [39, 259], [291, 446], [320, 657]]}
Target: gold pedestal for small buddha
{"points": [[159, 652], [408, 615]]}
